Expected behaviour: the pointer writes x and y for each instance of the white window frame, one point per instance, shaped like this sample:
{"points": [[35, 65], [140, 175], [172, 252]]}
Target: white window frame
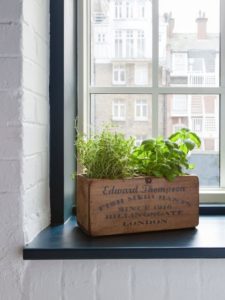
{"points": [[141, 104], [118, 43], [140, 43], [121, 106], [85, 90], [129, 43], [120, 69]]}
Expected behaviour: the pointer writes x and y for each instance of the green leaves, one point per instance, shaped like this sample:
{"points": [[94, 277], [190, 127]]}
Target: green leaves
{"points": [[185, 134], [165, 157], [106, 155], [194, 138], [111, 155]]}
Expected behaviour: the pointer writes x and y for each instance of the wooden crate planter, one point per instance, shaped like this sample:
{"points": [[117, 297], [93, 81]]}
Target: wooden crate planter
{"points": [[108, 207]]}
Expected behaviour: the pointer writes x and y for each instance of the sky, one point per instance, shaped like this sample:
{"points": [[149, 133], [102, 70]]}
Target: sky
{"points": [[185, 13]]}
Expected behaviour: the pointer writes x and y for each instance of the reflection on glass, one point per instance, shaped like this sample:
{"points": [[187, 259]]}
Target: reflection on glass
{"points": [[189, 43], [130, 114], [121, 42], [199, 113]]}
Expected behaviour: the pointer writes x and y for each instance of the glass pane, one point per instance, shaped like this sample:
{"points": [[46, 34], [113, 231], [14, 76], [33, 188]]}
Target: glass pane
{"points": [[121, 42], [189, 43], [130, 114], [199, 113]]}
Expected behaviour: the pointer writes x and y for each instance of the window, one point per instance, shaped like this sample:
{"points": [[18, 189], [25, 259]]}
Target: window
{"points": [[118, 110], [196, 65], [141, 74], [179, 105], [129, 44], [210, 124], [141, 9], [118, 44], [196, 125], [118, 9], [182, 75], [141, 43], [119, 74], [141, 110], [35, 249], [101, 38], [129, 9], [179, 61], [196, 105]]}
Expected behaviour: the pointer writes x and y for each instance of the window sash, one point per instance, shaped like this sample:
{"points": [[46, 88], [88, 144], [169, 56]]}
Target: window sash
{"points": [[118, 110], [141, 110], [85, 90], [119, 74]]}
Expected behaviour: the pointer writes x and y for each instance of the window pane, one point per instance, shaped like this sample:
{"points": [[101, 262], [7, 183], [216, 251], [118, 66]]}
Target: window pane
{"points": [[141, 110], [193, 113], [118, 110], [131, 114], [121, 33], [189, 43]]}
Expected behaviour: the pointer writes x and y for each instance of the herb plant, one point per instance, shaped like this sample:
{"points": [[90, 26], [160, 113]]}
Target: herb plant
{"points": [[165, 157], [106, 155], [111, 155]]}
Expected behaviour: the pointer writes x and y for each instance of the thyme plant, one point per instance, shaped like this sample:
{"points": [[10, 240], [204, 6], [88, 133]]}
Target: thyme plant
{"points": [[106, 155]]}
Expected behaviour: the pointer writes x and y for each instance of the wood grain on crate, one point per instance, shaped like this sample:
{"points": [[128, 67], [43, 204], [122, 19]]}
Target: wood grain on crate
{"points": [[107, 207]]}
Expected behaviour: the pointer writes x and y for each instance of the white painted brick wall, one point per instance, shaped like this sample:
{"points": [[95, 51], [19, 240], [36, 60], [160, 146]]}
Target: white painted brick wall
{"points": [[10, 11], [24, 192], [10, 109], [35, 47], [10, 39], [9, 79]]}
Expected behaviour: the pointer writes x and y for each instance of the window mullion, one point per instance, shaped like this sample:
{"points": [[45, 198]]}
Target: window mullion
{"points": [[155, 65], [222, 140], [222, 96], [160, 90], [83, 64]]}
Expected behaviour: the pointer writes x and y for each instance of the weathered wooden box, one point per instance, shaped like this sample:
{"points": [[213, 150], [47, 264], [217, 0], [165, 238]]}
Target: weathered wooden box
{"points": [[107, 207]]}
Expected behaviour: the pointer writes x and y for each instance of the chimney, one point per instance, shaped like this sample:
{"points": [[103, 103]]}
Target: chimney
{"points": [[170, 24], [201, 26]]}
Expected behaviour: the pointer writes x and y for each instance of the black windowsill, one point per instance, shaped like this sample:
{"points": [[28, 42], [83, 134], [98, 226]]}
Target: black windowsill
{"points": [[69, 242]]}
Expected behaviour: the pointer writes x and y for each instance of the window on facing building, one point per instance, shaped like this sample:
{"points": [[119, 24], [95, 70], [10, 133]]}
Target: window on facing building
{"points": [[141, 110], [162, 65], [119, 72], [118, 110]]}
